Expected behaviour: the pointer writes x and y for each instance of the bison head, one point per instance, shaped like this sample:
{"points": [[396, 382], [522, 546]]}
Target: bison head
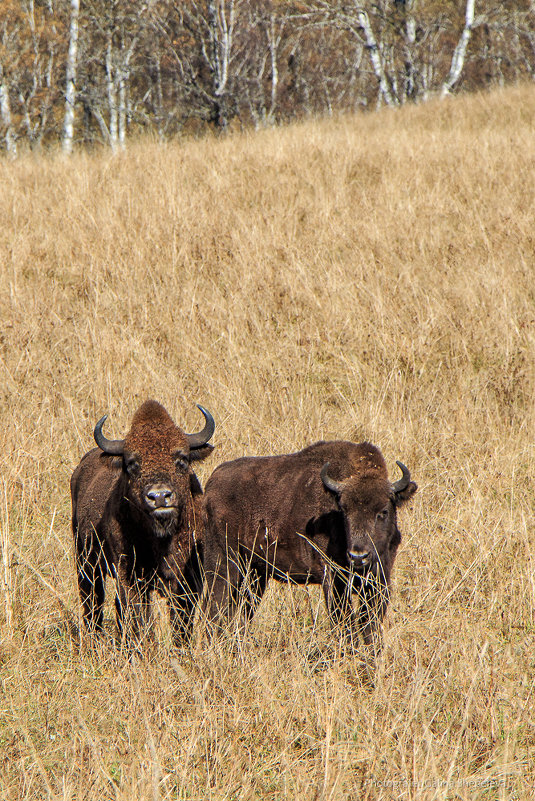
{"points": [[156, 463], [368, 502]]}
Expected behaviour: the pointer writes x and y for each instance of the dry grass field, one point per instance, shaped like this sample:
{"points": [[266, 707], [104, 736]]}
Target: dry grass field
{"points": [[366, 277]]}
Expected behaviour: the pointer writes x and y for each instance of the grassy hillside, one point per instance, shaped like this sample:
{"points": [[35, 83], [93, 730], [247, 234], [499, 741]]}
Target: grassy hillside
{"points": [[367, 277]]}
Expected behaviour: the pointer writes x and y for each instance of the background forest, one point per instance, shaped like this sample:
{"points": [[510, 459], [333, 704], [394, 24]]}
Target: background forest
{"points": [[97, 71]]}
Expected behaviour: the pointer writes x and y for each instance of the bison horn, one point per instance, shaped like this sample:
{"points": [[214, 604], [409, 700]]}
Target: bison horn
{"points": [[403, 482], [331, 484], [201, 438], [114, 447]]}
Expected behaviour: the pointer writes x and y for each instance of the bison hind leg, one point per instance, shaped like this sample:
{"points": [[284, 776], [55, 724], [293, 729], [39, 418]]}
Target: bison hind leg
{"points": [[183, 594], [251, 592]]}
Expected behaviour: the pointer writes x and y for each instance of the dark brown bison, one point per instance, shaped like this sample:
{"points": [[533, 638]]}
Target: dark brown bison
{"points": [[137, 515], [325, 515]]}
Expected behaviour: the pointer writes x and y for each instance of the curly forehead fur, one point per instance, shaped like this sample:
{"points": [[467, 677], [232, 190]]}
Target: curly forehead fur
{"points": [[369, 476], [153, 431], [368, 461]]}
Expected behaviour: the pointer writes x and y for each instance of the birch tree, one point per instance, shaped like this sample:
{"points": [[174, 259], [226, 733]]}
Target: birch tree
{"points": [[5, 115], [121, 25], [375, 54], [10, 45], [70, 90], [206, 42], [459, 54]]}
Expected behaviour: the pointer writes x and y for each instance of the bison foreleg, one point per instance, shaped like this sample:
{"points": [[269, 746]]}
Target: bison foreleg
{"points": [[374, 596], [133, 610], [337, 593], [182, 610], [223, 580], [91, 572], [182, 592]]}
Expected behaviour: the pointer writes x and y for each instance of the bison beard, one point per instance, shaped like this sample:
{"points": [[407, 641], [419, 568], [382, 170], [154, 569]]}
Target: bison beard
{"points": [[324, 515], [137, 515]]}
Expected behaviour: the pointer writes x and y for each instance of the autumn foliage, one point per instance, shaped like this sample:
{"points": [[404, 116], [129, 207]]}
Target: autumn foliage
{"points": [[169, 67]]}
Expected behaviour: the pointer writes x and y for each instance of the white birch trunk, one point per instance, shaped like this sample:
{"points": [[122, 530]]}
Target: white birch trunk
{"points": [[410, 38], [124, 79], [457, 61], [5, 114], [112, 95], [70, 91], [122, 110], [221, 23], [375, 58], [274, 41]]}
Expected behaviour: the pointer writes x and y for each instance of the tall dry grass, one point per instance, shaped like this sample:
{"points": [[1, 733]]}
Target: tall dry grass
{"points": [[365, 277]]}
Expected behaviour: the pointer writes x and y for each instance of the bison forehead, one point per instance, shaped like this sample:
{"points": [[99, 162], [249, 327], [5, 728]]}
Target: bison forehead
{"points": [[367, 490], [156, 442], [370, 458], [151, 413], [153, 434]]}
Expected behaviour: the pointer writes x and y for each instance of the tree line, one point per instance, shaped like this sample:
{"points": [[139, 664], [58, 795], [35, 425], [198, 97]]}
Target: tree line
{"points": [[82, 72]]}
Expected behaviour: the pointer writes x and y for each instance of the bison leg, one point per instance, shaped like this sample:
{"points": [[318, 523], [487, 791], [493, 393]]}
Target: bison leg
{"points": [[223, 579], [182, 592], [133, 609], [255, 586], [374, 596], [120, 606], [337, 593], [91, 573], [182, 605], [182, 599]]}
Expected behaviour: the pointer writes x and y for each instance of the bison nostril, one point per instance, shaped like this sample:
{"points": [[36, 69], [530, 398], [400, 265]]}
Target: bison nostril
{"points": [[159, 497], [360, 558]]}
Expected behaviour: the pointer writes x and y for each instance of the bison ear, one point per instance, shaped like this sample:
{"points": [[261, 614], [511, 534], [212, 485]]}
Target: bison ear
{"points": [[200, 453], [406, 494]]}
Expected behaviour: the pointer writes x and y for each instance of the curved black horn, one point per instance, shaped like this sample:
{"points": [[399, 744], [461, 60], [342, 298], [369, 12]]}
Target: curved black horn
{"points": [[201, 438], [114, 447], [403, 482], [330, 483]]}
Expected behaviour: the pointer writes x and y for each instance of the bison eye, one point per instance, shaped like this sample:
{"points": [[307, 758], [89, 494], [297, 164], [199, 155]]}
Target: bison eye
{"points": [[181, 462], [133, 468], [382, 515]]}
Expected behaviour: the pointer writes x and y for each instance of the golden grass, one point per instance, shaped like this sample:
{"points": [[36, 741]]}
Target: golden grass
{"points": [[363, 277]]}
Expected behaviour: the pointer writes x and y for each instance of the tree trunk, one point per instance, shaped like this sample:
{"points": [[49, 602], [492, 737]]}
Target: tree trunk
{"points": [[375, 58], [410, 41], [457, 61], [112, 94], [221, 24], [70, 91], [5, 114]]}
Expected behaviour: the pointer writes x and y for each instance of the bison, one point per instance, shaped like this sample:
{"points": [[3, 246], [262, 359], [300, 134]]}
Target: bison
{"points": [[137, 515], [324, 515]]}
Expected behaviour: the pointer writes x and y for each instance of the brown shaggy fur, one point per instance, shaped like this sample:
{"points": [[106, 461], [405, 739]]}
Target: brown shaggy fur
{"points": [[273, 517], [119, 531]]}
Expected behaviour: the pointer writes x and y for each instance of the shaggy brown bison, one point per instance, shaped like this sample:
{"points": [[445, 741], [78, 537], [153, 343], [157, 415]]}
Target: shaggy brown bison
{"points": [[137, 515], [325, 515]]}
